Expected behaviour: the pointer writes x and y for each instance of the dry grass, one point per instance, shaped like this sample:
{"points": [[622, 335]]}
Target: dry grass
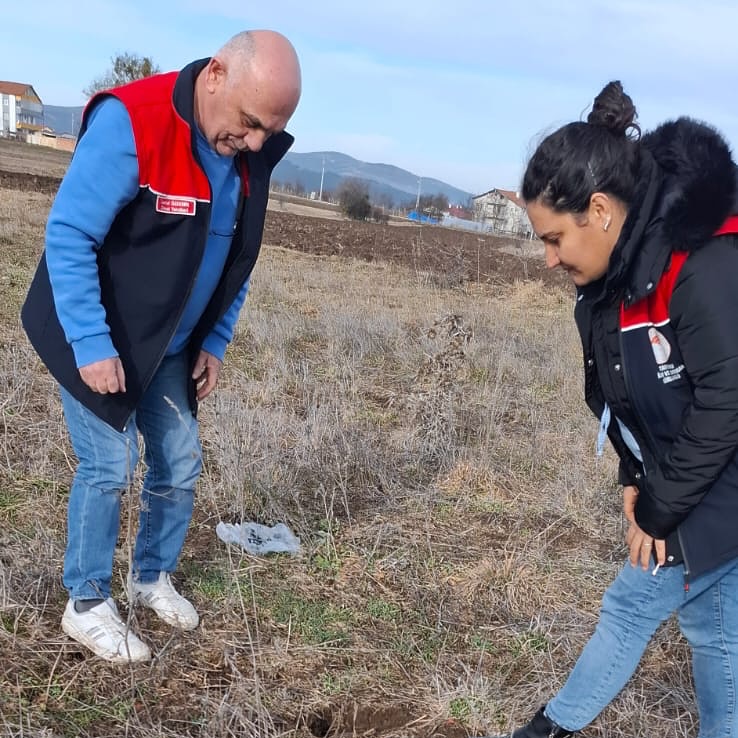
{"points": [[430, 447]]}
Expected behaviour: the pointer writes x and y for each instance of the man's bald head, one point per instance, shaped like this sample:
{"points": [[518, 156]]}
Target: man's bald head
{"points": [[248, 91], [271, 58]]}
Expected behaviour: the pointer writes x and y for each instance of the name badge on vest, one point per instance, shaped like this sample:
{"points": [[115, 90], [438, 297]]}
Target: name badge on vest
{"points": [[175, 205]]}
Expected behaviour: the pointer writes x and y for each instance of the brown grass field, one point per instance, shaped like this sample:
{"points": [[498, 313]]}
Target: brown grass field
{"points": [[408, 401]]}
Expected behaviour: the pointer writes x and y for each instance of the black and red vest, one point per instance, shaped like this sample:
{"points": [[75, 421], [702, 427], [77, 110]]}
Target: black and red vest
{"points": [[150, 257]]}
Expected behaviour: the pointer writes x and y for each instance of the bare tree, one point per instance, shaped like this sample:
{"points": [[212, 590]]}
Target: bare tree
{"points": [[125, 67], [353, 196]]}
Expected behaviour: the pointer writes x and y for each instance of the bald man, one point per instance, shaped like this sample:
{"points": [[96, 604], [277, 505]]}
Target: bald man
{"points": [[149, 248]]}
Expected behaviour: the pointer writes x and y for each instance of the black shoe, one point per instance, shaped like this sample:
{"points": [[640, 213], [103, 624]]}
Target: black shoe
{"points": [[539, 727]]}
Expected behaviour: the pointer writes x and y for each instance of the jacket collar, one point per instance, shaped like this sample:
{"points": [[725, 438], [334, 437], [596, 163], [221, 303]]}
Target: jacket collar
{"points": [[183, 96]]}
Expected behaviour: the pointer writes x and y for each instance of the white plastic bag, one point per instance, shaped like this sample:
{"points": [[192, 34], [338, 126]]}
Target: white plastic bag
{"points": [[259, 539]]}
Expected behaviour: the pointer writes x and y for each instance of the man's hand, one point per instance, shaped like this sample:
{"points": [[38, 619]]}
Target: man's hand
{"points": [[641, 545], [206, 373], [106, 376]]}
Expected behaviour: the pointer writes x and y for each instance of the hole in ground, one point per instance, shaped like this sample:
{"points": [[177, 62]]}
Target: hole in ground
{"points": [[341, 721]]}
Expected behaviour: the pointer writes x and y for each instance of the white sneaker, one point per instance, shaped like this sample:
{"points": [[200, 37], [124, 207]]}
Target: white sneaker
{"points": [[166, 602], [102, 631]]}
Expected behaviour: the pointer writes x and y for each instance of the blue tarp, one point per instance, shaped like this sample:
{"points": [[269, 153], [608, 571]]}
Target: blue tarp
{"points": [[421, 218]]}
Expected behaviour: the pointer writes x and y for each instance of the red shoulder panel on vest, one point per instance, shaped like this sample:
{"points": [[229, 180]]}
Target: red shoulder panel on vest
{"points": [[166, 164], [654, 308], [730, 226]]}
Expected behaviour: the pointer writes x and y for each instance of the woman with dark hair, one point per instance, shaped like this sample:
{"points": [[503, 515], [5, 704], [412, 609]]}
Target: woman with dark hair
{"points": [[647, 231]]}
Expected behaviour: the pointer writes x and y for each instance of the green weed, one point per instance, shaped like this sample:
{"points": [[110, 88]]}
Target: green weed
{"points": [[383, 610], [315, 622]]}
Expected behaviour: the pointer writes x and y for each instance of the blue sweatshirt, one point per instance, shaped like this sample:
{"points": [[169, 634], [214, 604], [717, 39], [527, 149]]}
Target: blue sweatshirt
{"points": [[101, 180]]}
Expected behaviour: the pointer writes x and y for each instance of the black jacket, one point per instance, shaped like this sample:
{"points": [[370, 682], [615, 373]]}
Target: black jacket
{"points": [[660, 339], [152, 252]]}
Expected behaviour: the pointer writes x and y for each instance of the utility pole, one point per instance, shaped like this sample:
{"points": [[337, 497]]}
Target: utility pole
{"points": [[322, 174], [417, 199]]}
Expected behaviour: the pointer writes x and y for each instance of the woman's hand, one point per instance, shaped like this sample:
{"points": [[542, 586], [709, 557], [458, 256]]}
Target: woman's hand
{"points": [[641, 545]]}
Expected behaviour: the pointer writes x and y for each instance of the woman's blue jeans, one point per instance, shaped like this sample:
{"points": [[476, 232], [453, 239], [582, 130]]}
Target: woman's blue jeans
{"points": [[107, 460], [633, 607]]}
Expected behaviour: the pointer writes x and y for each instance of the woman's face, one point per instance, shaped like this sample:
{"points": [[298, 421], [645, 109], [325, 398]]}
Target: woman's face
{"points": [[579, 244]]}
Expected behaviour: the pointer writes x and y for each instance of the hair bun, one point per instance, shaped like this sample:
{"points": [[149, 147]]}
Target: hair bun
{"points": [[614, 110]]}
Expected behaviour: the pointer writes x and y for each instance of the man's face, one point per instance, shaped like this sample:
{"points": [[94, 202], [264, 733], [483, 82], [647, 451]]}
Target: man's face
{"points": [[241, 110]]}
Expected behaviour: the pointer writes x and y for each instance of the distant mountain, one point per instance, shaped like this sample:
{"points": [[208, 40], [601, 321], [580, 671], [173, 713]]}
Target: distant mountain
{"points": [[63, 119], [383, 179]]}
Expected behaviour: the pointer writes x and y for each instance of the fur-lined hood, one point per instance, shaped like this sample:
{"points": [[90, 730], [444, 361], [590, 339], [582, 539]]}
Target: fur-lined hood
{"points": [[687, 187], [700, 181]]}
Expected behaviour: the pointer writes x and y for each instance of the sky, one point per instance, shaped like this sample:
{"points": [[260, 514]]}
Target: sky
{"points": [[458, 91]]}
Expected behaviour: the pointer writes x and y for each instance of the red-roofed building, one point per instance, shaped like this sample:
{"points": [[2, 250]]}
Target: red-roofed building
{"points": [[459, 211], [21, 109], [502, 212]]}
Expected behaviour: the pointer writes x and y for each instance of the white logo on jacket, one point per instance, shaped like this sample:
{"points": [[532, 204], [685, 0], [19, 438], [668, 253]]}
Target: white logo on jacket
{"points": [[661, 347]]}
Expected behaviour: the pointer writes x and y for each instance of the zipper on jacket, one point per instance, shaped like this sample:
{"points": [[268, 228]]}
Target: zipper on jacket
{"points": [[633, 402], [687, 573]]}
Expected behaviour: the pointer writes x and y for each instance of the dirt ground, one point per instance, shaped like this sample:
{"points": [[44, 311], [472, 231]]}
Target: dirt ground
{"points": [[452, 256]]}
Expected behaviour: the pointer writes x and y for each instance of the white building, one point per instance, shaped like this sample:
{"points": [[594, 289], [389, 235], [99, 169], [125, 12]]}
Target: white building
{"points": [[21, 110], [502, 212]]}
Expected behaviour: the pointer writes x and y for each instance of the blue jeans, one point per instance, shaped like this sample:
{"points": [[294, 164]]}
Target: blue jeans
{"points": [[107, 460], [635, 604]]}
